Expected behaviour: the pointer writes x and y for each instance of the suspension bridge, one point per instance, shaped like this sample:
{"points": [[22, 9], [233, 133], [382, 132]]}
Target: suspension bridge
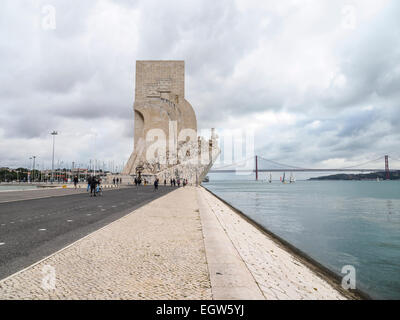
{"points": [[257, 164]]}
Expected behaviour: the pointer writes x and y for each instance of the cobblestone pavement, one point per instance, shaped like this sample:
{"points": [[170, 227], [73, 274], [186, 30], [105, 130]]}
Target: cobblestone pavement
{"points": [[156, 252], [279, 275]]}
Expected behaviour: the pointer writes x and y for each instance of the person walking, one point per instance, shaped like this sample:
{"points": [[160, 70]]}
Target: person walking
{"points": [[114, 181], [93, 185], [99, 188], [156, 184], [89, 182], [75, 182]]}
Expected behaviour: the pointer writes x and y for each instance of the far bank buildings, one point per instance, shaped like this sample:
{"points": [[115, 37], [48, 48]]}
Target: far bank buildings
{"points": [[166, 144]]}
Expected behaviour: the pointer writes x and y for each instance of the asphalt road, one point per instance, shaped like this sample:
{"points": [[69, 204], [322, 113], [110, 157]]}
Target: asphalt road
{"points": [[10, 196], [31, 230]]}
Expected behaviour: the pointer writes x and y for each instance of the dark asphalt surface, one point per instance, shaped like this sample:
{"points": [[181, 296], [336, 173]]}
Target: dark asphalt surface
{"points": [[31, 230], [36, 194]]}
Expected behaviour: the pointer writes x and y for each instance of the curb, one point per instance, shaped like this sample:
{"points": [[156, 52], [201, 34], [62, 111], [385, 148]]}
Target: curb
{"points": [[320, 270]]}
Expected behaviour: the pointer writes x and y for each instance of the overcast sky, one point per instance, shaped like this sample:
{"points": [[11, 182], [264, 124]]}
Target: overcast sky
{"points": [[317, 79]]}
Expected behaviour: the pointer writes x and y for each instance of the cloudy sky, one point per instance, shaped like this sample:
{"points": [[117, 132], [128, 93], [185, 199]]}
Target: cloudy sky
{"points": [[318, 80]]}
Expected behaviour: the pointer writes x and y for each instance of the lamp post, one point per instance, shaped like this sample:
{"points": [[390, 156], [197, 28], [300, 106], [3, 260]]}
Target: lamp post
{"points": [[54, 133], [30, 170], [94, 153], [33, 170]]}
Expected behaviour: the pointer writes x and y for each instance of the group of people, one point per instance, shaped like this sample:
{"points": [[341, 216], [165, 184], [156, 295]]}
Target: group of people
{"points": [[117, 181], [173, 182], [138, 181], [94, 185], [177, 182]]}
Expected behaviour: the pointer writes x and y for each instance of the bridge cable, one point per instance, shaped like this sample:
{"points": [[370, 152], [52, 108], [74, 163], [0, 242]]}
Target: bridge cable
{"points": [[361, 164], [280, 164], [233, 164]]}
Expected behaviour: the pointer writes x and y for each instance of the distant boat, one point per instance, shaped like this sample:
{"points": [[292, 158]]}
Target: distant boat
{"points": [[206, 179], [292, 178], [284, 178], [270, 178]]}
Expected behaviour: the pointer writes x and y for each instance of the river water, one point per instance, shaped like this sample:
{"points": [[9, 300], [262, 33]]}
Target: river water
{"points": [[337, 223]]}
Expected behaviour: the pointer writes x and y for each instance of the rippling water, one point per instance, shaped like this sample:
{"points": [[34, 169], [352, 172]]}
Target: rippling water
{"points": [[337, 223]]}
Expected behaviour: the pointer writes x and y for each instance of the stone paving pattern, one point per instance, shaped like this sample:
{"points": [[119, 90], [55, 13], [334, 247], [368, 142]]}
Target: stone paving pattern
{"points": [[156, 252]]}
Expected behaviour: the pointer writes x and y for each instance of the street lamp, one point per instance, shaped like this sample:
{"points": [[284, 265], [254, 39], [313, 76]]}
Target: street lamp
{"points": [[33, 170], [30, 170], [94, 153], [54, 133]]}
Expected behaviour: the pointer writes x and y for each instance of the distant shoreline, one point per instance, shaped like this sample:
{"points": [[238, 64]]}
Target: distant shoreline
{"points": [[373, 176]]}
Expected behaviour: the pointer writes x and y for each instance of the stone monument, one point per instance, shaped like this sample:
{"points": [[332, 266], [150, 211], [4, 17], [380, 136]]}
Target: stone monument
{"points": [[166, 144]]}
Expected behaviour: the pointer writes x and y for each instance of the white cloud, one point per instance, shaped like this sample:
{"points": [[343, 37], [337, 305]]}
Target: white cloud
{"points": [[314, 89]]}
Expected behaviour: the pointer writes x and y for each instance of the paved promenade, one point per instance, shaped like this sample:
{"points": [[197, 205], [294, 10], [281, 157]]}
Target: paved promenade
{"points": [[185, 245], [156, 252]]}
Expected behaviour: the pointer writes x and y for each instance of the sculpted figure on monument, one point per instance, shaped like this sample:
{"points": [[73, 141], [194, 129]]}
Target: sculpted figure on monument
{"points": [[165, 125]]}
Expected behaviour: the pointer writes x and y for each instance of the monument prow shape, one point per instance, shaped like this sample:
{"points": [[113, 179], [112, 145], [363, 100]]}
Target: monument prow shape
{"points": [[166, 144]]}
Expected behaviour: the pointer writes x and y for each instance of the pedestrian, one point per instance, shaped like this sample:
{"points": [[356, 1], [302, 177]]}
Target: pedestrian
{"points": [[165, 182], [75, 181], [171, 182], [156, 184], [93, 185], [114, 181], [99, 188], [179, 182], [89, 182]]}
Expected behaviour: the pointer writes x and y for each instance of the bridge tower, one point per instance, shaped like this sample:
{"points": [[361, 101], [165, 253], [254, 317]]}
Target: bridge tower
{"points": [[387, 168], [256, 168]]}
